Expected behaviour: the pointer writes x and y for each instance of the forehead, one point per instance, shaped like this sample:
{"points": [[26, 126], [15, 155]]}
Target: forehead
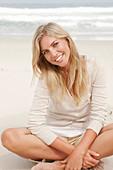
{"points": [[46, 41]]}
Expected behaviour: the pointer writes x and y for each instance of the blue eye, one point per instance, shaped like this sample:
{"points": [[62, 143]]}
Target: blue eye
{"points": [[45, 52], [55, 44]]}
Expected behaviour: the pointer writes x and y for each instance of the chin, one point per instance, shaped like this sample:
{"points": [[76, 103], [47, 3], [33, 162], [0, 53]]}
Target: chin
{"points": [[64, 65]]}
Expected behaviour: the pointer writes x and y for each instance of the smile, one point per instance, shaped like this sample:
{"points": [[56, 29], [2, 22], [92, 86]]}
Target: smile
{"points": [[59, 57]]}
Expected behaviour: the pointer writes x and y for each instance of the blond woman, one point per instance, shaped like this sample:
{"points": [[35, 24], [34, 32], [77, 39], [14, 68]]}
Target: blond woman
{"points": [[66, 120]]}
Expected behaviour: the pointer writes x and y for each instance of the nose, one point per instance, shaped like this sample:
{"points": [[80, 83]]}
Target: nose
{"points": [[53, 53]]}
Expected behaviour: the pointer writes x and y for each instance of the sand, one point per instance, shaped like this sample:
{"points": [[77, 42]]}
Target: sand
{"points": [[16, 94]]}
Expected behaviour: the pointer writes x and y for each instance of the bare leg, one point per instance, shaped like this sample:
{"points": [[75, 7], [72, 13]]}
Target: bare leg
{"points": [[103, 144], [24, 144]]}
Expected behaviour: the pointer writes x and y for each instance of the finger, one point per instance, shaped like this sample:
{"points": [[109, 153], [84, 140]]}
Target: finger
{"points": [[93, 153], [85, 167], [94, 161], [91, 162], [64, 161], [91, 159]]}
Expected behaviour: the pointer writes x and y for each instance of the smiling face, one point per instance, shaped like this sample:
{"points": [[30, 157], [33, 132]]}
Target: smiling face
{"points": [[55, 50]]}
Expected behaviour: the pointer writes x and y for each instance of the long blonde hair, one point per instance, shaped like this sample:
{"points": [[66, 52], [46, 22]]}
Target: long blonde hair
{"points": [[56, 77]]}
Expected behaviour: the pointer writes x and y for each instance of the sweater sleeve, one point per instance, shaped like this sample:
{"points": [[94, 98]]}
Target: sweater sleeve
{"points": [[38, 112], [99, 98]]}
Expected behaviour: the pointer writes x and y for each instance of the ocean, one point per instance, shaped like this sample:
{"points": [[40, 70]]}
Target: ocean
{"points": [[84, 21]]}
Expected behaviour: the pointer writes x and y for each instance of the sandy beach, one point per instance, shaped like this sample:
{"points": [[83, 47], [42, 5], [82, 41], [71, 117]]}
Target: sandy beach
{"points": [[16, 93]]}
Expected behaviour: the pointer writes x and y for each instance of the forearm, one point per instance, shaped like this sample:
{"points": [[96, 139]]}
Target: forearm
{"points": [[83, 146], [87, 140], [62, 146]]}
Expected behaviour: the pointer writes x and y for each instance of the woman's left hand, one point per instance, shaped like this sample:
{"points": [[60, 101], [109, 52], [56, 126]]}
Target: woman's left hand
{"points": [[89, 160], [74, 160]]}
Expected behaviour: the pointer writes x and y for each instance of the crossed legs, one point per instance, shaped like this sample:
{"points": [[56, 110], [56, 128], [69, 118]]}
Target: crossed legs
{"points": [[24, 144]]}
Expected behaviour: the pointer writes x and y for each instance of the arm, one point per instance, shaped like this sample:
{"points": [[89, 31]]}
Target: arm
{"points": [[98, 111], [62, 146], [96, 118], [83, 145], [38, 112], [75, 159], [37, 119], [86, 141]]}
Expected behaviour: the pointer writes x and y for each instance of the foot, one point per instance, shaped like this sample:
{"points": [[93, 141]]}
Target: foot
{"points": [[49, 166]]}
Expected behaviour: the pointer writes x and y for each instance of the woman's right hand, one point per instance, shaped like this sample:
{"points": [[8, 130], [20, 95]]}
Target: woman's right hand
{"points": [[89, 160]]}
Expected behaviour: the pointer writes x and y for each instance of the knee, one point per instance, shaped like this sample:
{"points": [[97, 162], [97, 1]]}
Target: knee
{"points": [[9, 138]]}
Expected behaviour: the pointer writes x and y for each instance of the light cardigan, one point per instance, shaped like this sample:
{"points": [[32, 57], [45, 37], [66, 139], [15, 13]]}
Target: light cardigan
{"points": [[89, 114]]}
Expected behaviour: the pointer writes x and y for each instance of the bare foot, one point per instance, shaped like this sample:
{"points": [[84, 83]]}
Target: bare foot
{"points": [[49, 166]]}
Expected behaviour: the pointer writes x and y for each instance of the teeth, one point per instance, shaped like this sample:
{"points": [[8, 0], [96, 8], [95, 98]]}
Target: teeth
{"points": [[59, 58]]}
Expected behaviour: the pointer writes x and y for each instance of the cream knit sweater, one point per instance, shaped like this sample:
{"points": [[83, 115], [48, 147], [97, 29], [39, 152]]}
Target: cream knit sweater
{"points": [[90, 114]]}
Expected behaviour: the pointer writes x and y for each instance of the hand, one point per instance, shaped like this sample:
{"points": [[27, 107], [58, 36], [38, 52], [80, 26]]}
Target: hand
{"points": [[74, 160], [89, 160]]}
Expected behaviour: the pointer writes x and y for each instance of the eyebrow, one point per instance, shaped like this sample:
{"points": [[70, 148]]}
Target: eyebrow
{"points": [[50, 45]]}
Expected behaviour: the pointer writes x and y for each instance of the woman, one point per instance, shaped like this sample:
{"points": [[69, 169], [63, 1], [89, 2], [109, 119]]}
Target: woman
{"points": [[66, 120]]}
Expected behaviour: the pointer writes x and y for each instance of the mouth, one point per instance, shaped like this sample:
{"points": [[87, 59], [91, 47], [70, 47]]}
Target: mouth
{"points": [[59, 58]]}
